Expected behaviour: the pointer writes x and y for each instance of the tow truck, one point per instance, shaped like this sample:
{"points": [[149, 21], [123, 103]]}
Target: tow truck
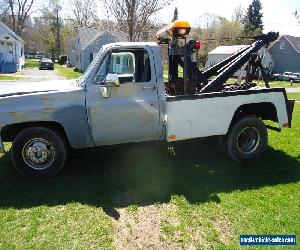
{"points": [[123, 98]]}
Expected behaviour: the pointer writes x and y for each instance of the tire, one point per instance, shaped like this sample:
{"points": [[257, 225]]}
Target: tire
{"points": [[39, 152], [246, 140]]}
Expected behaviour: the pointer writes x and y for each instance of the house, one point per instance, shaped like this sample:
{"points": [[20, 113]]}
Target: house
{"points": [[222, 52], [12, 56], [286, 54], [85, 45]]}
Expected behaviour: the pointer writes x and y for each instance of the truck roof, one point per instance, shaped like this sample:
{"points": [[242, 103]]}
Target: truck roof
{"points": [[131, 44]]}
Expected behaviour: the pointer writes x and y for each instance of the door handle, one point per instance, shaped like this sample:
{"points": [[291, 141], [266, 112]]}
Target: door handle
{"points": [[150, 87]]}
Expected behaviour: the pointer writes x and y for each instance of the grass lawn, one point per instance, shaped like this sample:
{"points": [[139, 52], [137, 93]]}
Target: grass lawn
{"points": [[294, 96], [153, 195], [32, 63], [277, 84], [8, 77], [68, 73]]}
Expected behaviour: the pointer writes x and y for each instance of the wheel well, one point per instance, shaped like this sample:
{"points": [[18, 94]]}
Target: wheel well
{"points": [[263, 110], [9, 132]]}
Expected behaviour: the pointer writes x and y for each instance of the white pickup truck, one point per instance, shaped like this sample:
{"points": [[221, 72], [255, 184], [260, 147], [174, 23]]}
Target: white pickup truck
{"points": [[122, 98]]}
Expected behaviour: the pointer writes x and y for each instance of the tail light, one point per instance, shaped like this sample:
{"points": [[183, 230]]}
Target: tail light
{"points": [[198, 44]]}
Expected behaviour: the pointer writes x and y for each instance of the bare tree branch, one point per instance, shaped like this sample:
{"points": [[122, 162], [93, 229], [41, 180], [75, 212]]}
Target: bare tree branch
{"points": [[83, 13], [15, 13], [133, 16]]}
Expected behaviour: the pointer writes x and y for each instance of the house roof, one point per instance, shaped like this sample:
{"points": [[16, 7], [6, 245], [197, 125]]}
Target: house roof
{"points": [[85, 35], [88, 35], [119, 37], [11, 33], [226, 50], [295, 42]]}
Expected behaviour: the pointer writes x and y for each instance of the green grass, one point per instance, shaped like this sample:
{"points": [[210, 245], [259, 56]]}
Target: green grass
{"points": [[203, 199], [8, 77], [294, 96], [273, 84], [69, 73], [32, 63], [280, 84]]}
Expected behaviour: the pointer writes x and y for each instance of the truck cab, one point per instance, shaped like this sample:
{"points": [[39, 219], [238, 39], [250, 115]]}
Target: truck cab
{"points": [[129, 109]]}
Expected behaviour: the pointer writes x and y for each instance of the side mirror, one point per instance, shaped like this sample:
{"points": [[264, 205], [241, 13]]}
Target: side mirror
{"points": [[112, 79]]}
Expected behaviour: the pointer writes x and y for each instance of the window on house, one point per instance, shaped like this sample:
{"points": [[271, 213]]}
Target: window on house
{"points": [[282, 45]]}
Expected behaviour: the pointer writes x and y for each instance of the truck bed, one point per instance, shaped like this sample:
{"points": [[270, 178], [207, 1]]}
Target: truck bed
{"points": [[211, 114]]}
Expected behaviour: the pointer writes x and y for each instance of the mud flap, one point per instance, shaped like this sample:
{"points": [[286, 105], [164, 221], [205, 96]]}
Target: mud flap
{"points": [[290, 109]]}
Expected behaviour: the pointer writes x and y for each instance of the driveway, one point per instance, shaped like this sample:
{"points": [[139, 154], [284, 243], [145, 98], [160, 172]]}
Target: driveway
{"points": [[36, 75], [292, 90]]}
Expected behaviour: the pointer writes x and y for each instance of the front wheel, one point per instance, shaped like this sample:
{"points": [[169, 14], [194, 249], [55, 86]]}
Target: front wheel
{"points": [[246, 140], [39, 152]]}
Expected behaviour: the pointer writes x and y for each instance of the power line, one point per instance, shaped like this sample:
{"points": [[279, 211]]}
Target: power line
{"points": [[284, 24]]}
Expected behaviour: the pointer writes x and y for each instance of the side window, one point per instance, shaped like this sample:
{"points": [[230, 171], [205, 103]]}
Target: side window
{"points": [[101, 73], [122, 63], [130, 66], [146, 68]]}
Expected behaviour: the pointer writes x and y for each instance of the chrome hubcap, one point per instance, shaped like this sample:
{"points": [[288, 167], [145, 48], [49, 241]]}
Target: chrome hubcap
{"points": [[248, 140], [38, 153]]}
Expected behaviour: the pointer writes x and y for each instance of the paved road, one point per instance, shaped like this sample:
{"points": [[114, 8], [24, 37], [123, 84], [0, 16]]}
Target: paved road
{"points": [[293, 90]]}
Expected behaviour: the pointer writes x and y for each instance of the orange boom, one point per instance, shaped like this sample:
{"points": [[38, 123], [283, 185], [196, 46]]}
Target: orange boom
{"points": [[178, 29]]}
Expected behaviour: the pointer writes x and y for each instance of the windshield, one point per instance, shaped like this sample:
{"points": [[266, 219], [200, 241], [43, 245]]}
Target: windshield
{"points": [[81, 80]]}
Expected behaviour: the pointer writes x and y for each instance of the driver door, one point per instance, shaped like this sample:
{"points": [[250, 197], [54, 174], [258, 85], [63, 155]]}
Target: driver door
{"points": [[130, 112]]}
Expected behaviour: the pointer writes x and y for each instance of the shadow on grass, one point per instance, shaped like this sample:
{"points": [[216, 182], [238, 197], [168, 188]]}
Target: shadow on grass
{"points": [[145, 173]]}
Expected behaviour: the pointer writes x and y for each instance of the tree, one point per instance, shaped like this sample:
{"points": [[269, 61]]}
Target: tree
{"points": [[238, 14], [133, 16], [214, 31], [83, 13], [15, 13], [50, 25], [253, 19]]}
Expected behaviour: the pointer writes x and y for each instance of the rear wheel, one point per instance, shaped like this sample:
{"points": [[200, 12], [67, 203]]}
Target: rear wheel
{"points": [[246, 140], [39, 152]]}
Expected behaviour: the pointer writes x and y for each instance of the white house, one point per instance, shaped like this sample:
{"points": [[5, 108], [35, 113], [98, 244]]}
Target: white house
{"points": [[12, 56], [88, 41], [222, 52]]}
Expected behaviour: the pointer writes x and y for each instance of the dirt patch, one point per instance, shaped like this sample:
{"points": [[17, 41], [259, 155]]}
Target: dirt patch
{"points": [[224, 230], [140, 228]]}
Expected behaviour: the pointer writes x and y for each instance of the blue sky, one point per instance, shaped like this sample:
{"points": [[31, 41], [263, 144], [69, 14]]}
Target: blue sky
{"points": [[277, 13]]}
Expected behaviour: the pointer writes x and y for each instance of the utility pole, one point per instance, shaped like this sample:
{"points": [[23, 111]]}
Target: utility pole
{"points": [[57, 33], [56, 24]]}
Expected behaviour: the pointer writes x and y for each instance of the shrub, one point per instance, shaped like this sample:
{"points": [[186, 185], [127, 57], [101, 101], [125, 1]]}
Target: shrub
{"points": [[62, 59]]}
